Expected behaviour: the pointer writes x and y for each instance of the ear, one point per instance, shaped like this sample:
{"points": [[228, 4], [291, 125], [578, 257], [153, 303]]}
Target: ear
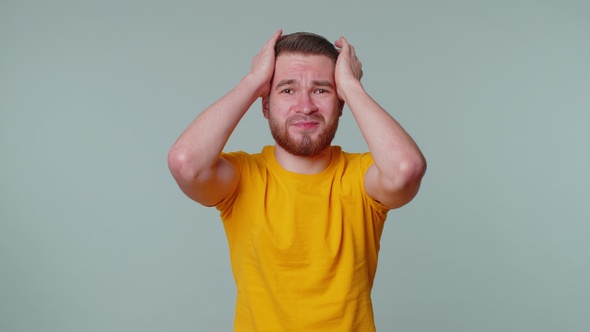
{"points": [[340, 106], [265, 106]]}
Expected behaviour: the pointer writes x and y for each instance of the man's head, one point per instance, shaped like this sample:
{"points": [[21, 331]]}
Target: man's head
{"points": [[303, 108]]}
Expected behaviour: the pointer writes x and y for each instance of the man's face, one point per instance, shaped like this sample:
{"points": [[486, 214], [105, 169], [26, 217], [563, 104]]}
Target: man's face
{"points": [[303, 108]]}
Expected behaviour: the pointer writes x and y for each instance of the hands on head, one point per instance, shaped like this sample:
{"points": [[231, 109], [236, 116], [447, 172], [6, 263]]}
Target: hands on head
{"points": [[348, 66], [348, 60], [263, 63]]}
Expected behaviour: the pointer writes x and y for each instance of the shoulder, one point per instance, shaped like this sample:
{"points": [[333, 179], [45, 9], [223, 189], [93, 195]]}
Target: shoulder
{"points": [[361, 160], [240, 158], [250, 169], [354, 168], [249, 165]]}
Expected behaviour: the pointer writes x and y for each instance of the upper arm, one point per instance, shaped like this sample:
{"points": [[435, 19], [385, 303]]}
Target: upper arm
{"points": [[393, 193], [211, 186]]}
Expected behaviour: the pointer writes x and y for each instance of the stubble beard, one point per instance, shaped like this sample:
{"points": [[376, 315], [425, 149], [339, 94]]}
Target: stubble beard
{"points": [[305, 146]]}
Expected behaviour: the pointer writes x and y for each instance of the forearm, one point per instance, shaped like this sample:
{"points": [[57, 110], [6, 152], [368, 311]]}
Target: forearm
{"points": [[199, 146], [395, 153]]}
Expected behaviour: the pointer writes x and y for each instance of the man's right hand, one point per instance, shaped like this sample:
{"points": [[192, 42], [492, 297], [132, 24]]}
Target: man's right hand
{"points": [[263, 64]]}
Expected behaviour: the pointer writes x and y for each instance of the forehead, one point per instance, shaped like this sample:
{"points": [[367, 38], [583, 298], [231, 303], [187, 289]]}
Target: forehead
{"points": [[304, 67]]}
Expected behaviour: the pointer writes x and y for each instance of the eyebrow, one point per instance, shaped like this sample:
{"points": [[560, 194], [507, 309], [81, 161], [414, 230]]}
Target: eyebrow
{"points": [[291, 81], [285, 82]]}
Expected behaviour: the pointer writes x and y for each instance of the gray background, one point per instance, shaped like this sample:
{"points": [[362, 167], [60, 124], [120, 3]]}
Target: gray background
{"points": [[95, 235]]}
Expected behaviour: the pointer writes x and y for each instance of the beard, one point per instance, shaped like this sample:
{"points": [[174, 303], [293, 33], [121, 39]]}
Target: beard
{"points": [[306, 146]]}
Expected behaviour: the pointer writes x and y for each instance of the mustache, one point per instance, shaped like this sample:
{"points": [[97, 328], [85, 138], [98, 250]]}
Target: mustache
{"points": [[306, 118]]}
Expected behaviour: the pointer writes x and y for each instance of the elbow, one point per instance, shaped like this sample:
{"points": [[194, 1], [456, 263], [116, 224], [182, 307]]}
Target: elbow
{"points": [[406, 177], [180, 166], [408, 181], [412, 169], [401, 182]]}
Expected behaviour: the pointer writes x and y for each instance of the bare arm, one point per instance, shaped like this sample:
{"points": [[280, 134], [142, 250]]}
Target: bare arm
{"points": [[194, 159], [394, 178]]}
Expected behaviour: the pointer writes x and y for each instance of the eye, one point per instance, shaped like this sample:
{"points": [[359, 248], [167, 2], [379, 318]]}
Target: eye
{"points": [[287, 91], [320, 91]]}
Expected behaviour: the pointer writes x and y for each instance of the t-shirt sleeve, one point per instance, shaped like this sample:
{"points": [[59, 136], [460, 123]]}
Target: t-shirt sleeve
{"points": [[366, 161], [236, 160]]}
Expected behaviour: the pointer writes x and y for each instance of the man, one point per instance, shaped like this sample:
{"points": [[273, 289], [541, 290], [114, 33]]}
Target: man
{"points": [[303, 219]]}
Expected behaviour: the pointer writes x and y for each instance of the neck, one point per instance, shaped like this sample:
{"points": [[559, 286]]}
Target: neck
{"points": [[303, 165]]}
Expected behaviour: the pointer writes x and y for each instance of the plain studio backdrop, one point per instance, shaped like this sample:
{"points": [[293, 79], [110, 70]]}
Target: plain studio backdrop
{"points": [[96, 236]]}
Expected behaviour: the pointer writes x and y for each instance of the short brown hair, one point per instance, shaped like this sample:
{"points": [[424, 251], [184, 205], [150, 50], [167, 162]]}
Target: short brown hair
{"points": [[306, 43]]}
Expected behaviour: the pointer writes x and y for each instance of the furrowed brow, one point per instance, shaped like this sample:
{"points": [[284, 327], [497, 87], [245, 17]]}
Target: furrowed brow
{"points": [[282, 83], [324, 83], [291, 81]]}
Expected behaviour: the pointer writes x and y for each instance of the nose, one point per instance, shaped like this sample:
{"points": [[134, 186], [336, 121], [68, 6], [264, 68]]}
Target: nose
{"points": [[306, 104]]}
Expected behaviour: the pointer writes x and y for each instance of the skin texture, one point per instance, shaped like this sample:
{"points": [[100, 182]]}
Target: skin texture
{"points": [[305, 106], [302, 103]]}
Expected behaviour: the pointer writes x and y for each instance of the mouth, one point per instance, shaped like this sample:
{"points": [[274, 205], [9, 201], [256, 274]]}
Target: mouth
{"points": [[305, 124], [309, 122]]}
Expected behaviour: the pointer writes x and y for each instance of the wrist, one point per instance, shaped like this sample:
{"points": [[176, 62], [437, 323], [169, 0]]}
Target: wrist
{"points": [[260, 85], [349, 88]]}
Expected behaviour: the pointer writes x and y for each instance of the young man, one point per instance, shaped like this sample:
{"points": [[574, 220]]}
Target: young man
{"points": [[303, 219]]}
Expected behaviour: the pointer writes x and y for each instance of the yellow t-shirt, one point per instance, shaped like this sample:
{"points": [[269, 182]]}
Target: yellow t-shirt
{"points": [[303, 247]]}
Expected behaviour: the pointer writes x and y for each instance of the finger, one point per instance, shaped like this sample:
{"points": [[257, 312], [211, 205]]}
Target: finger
{"points": [[343, 42], [273, 40], [351, 48], [277, 34]]}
